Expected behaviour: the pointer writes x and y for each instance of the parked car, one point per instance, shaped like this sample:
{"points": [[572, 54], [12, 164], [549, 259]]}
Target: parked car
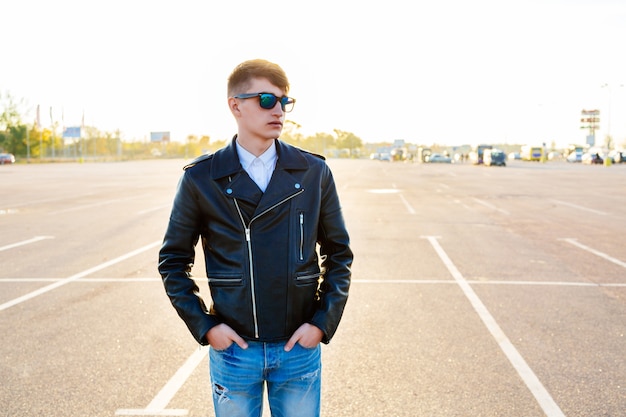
{"points": [[494, 157], [592, 158], [385, 156], [575, 157], [439, 158], [553, 156], [618, 157], [7, 158]]}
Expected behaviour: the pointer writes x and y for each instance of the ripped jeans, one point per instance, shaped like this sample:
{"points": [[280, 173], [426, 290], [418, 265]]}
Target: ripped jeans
{"points": [[293, 380]]}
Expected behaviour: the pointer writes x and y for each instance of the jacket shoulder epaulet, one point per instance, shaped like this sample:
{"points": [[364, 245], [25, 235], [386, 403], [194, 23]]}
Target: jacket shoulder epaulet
{"points": [[196, 161], [312, 153]]}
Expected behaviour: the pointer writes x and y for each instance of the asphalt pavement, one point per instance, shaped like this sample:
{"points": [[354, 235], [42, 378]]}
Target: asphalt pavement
{"points": [[477, 291]]}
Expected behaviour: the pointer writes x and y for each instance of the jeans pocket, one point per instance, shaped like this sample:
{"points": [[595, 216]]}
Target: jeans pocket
{"points": [[307, 347], [226, 349]]}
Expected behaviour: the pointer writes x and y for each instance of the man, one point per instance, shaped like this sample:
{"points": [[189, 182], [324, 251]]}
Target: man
{"points": [[261, 207]]}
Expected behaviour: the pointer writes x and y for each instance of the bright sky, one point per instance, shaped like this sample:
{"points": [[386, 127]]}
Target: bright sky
{"points": [[448, 72]]}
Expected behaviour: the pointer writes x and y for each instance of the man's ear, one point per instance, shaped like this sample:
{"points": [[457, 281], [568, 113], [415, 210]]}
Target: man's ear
{"points": [[233, 105]]}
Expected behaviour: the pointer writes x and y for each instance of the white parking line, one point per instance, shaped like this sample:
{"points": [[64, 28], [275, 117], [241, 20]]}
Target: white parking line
{"points": [[8, 211], [154, 209], [162, 399], [384, 191], [463, 205], [201, 280], [601, 213], [595, 252], [547, 404], [102, 279], [482, 282], [491, 206], [98, 204], [25, 242], [47, 200], [409, 208], [82, 274]]}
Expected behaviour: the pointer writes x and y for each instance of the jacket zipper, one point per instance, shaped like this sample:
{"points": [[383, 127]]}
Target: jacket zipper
{"points": [[249, 244], [301, 236]]}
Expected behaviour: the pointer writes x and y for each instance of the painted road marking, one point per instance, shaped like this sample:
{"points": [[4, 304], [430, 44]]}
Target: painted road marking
{"points": [[384, 191], [356, 281], [595, 252], [564, 203], [547, 404], [409, 208], [82, 274], [491, 206], [154, 209], [482, 282], [165, 395], [98, 204], [25, 242], [162, 399], [463, 205]]}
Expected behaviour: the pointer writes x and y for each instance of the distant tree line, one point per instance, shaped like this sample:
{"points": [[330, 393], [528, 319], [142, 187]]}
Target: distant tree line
{"points": [[35, 143]]}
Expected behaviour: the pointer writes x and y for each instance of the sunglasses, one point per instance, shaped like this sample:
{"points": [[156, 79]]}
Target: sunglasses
{"points": [[268, 100]]}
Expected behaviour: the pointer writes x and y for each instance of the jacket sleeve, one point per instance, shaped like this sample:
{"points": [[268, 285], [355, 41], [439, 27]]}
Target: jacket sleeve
{"points": [[336, 259], [176, 259]]}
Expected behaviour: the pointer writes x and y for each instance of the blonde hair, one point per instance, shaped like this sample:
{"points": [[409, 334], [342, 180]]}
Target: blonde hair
{"points": [[244, 73]]}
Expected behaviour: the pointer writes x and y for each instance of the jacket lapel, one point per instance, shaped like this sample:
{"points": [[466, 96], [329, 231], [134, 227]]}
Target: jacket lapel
{"points": [[286, 179]]}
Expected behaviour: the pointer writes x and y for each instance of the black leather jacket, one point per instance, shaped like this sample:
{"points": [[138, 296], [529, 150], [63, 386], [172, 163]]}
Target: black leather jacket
{"points": [[260, 248]]}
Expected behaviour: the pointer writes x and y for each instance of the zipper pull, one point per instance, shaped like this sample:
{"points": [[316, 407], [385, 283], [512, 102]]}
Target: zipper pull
{"points": [[247, 234]]}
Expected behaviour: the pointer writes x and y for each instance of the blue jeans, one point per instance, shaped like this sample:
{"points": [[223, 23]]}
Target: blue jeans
{"points": [[293, 380]]}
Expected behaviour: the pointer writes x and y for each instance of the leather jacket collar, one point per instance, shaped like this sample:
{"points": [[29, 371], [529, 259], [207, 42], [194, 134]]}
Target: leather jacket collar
{"points": [[226, 162]]}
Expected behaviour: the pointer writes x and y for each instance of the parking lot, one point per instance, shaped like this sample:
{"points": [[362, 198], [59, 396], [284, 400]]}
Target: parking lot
{"points": [[477, 291]]}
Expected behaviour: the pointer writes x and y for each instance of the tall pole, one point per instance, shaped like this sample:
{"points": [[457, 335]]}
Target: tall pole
{"points": [[119, 144], [27, 144], [52, 133], [38, 121], [608, 119]]}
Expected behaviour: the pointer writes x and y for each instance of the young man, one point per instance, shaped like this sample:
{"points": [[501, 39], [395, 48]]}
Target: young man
{"points": [[260, 207]]}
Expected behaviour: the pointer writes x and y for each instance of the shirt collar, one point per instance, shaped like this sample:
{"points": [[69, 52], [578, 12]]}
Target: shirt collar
{"points": [[268, 157]]}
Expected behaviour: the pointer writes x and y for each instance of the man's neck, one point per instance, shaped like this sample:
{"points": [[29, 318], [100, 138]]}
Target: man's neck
{"points": [[255, 146]]}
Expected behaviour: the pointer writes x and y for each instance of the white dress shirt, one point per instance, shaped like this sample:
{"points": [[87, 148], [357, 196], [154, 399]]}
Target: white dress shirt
{"points": [[260, 168]]}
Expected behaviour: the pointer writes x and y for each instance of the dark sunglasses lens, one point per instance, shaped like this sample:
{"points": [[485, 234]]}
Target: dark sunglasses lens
{"points": [[267, 101], [285, 103]]}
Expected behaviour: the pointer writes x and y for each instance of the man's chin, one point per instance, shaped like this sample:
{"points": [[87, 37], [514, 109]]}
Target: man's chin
{"points": [[273, 134]]}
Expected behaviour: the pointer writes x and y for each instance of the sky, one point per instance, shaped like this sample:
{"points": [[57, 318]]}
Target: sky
{"points": [[430, 72]]}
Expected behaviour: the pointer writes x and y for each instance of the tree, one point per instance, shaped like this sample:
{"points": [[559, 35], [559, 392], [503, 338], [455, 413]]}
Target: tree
{"points": [[13, 139], [319, 143], [291, 134], [10, 115], [12, 131], [348, 140], [204, 143]]}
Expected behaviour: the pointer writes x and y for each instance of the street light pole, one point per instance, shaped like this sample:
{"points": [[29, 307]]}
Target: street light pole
{"points": [[608, 87], [608, 123]]}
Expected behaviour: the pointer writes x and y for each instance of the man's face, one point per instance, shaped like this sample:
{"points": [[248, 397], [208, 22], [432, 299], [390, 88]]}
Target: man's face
{"points": [[255, 121]]}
